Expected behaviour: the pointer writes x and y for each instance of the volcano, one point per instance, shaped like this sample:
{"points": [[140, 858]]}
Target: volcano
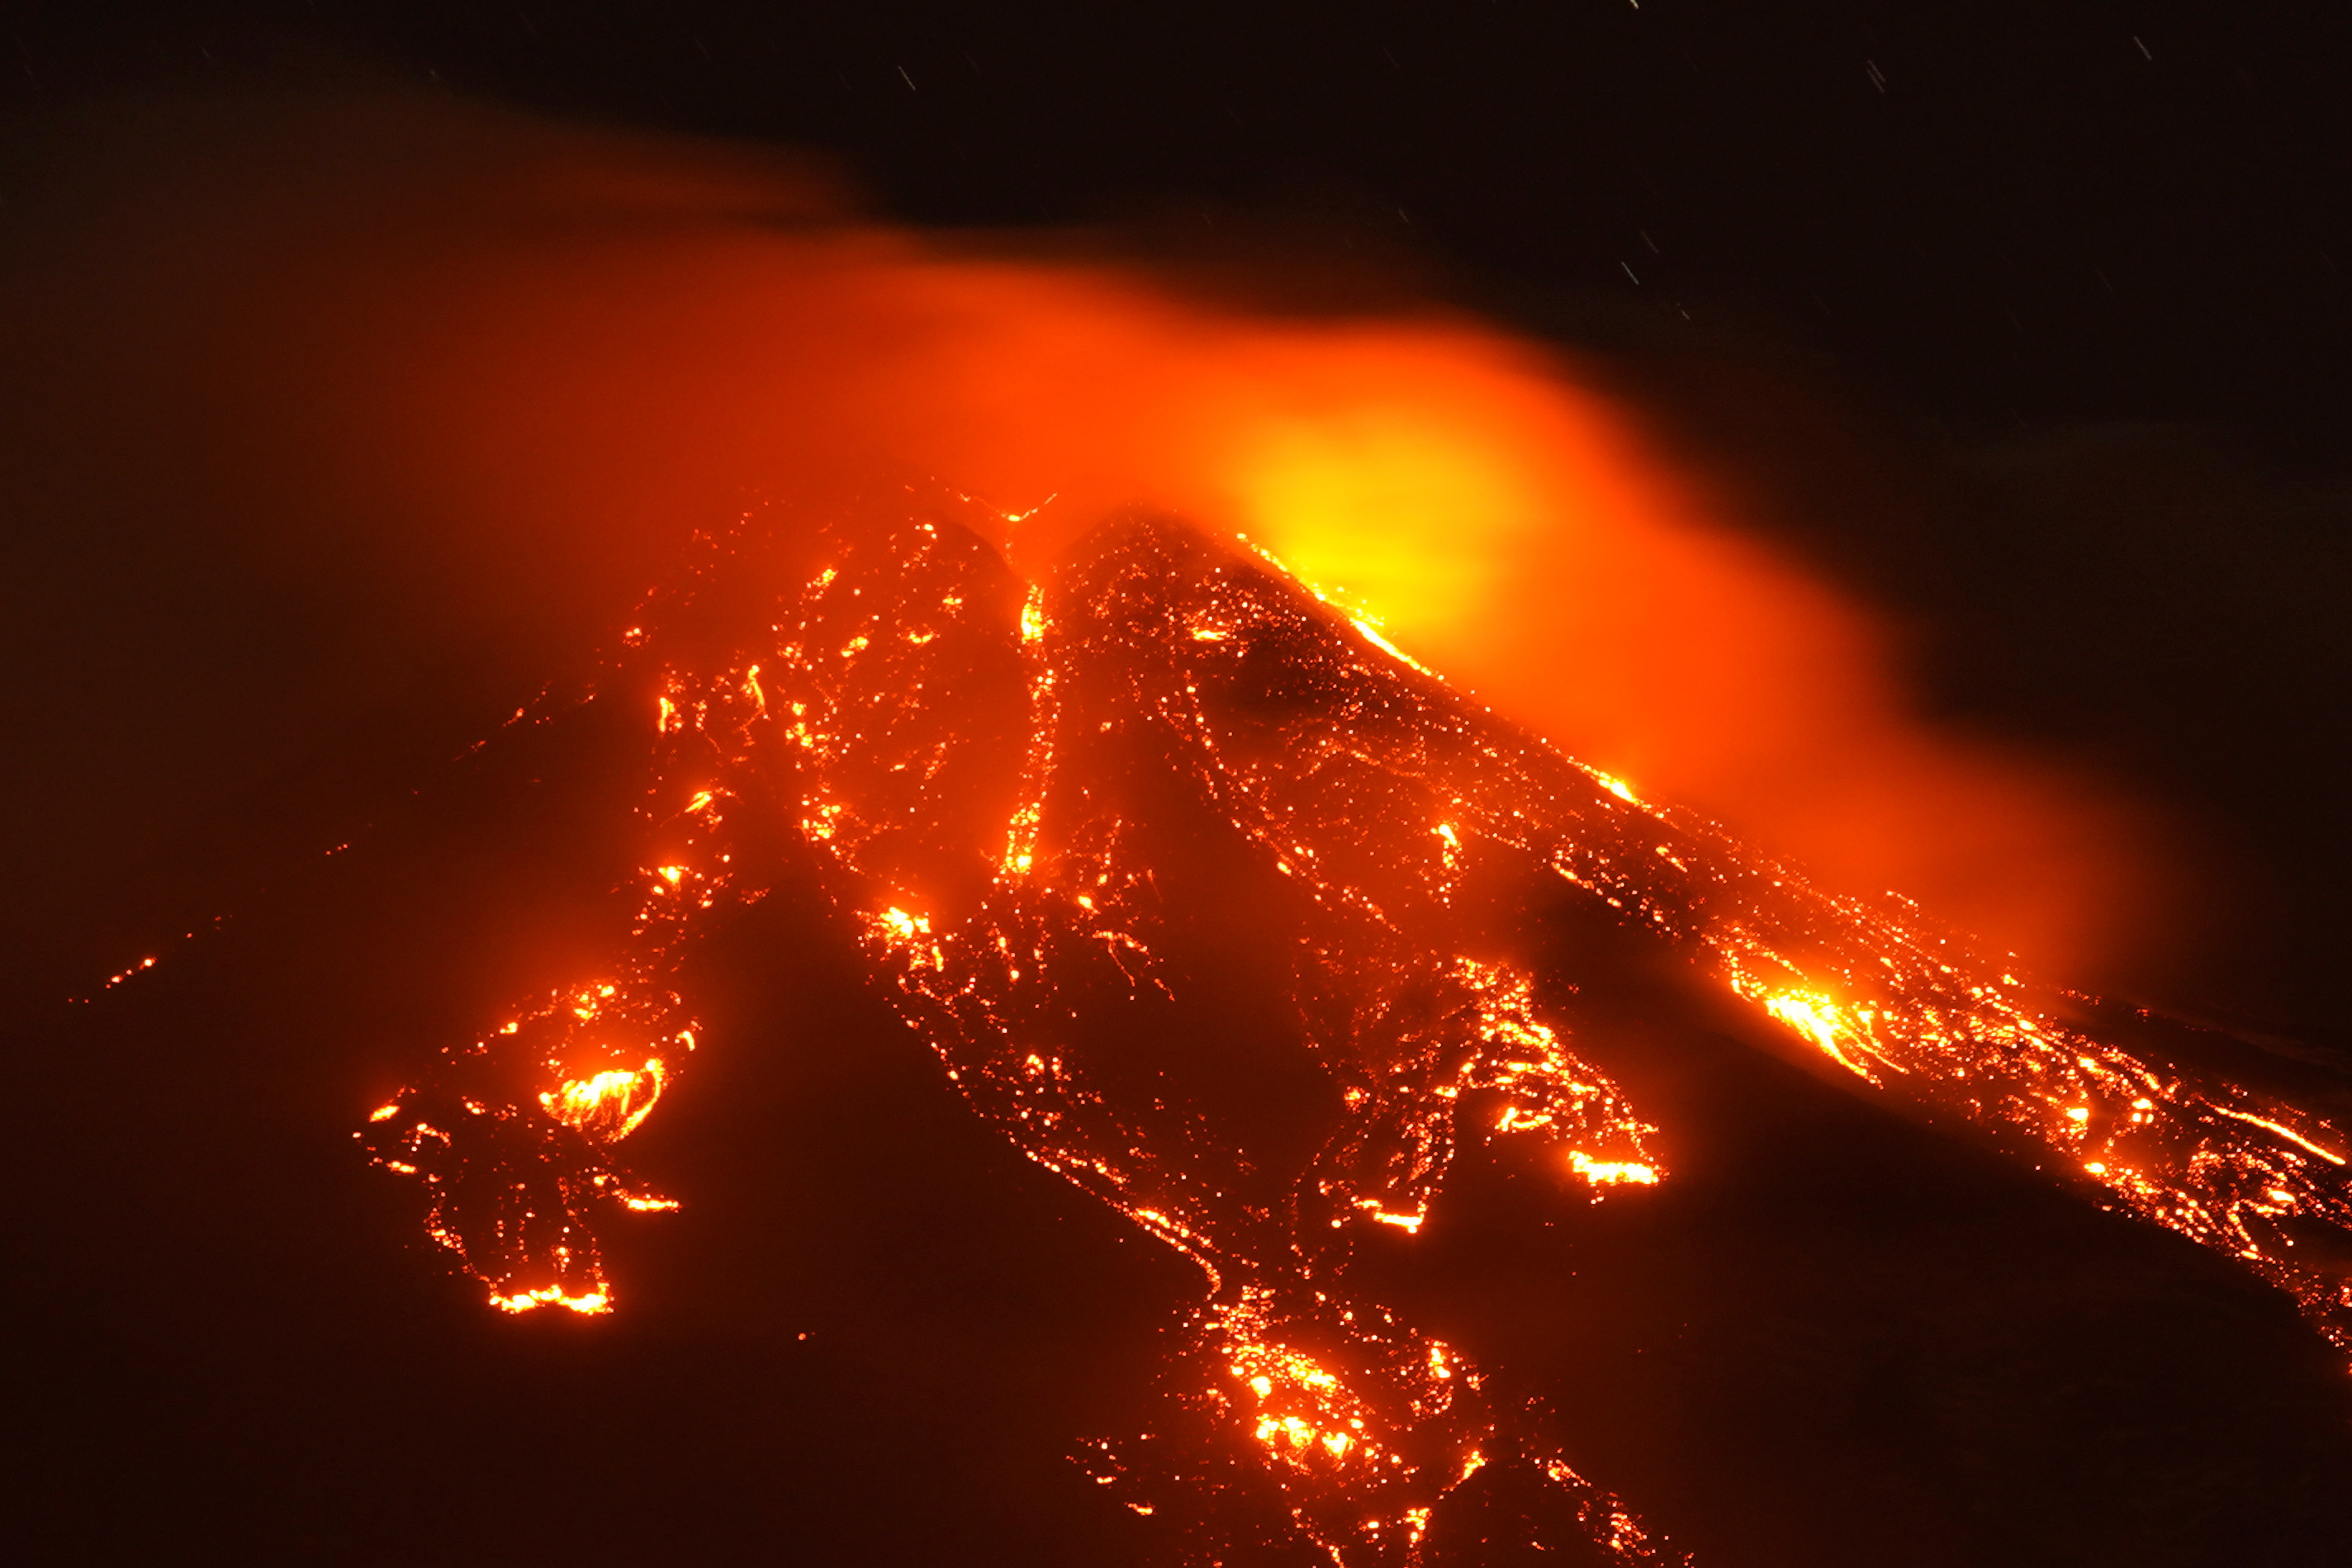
{"points": [[1232, 915]]}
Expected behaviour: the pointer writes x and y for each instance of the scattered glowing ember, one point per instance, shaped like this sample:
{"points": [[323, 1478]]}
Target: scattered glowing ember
{"points": [[967, 755]]}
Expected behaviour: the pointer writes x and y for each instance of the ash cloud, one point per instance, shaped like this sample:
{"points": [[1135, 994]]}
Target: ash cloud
{"points": [[343, 421]]}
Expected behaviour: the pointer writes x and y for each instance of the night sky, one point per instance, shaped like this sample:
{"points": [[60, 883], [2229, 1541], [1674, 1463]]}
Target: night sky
{"points": [[2026, 326]]}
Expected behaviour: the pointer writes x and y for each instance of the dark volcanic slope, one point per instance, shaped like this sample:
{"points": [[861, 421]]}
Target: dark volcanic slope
{"points": [[1234, 967]]}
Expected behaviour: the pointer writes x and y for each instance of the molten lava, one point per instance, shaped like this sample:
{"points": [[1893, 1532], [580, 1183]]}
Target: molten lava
{"points": [[978, 769]]}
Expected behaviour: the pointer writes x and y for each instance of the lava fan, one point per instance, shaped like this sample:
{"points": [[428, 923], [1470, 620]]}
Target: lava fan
{"points": [[995, 782]]}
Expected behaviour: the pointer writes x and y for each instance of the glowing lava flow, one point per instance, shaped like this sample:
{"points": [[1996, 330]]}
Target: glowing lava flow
{"points": [[513, 1137], [983, 775]]}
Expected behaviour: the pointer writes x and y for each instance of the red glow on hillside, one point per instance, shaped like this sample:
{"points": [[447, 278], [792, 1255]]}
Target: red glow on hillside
{"points": [[580, 348]]}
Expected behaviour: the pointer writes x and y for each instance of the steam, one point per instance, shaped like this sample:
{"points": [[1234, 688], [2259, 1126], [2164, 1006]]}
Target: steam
{"points": [[500, 370]]}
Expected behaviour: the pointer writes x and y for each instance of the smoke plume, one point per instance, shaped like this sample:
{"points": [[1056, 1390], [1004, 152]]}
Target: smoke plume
{"points": [[372, 408]]}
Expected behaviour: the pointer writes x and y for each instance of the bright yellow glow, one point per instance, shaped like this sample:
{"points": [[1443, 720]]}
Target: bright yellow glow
{"points": [[902, 925], [2284, 1131], [1371, 634], [1393, 511], [591, 1303], [1306, 1414], [610, 1104], [1611, 1172], [1818, 1017], [1021, 840]]}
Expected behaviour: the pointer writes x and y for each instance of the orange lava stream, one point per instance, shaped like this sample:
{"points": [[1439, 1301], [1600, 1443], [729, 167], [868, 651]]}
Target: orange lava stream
{"points": [[973, 766]]}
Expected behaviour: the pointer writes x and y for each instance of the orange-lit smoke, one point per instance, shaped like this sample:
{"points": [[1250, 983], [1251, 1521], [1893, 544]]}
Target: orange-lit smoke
{"points": [[543, 356]]}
